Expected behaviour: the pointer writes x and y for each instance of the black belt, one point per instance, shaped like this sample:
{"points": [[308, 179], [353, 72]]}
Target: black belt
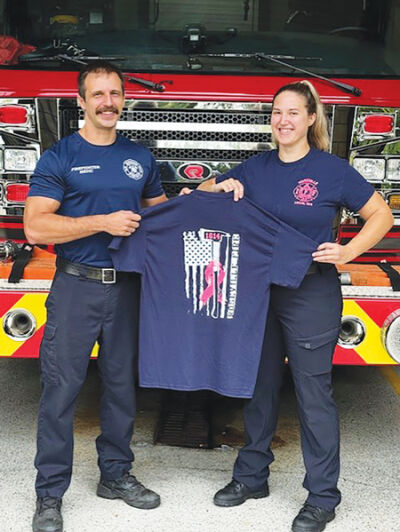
{"points": [[314, 268], [319, 267], [103, 275]]}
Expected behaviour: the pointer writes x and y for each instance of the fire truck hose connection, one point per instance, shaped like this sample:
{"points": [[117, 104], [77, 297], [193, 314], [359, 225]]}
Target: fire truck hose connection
{"points": [[8, 250], [19, 324]]}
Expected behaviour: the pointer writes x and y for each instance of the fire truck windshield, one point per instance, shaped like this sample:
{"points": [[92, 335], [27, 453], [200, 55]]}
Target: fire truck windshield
{"points": [[343, 38]]}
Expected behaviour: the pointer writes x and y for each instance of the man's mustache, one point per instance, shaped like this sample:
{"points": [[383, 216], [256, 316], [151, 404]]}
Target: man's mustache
{"points": [[107, 109]]}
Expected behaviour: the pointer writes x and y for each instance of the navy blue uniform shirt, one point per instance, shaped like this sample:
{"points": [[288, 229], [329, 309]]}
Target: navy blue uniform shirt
{"points": [[207, 264], [306, 194], [88, 179]]}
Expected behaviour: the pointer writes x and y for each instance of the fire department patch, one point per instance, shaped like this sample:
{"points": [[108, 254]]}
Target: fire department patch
{"points": [[305, 192], [133, 169]]}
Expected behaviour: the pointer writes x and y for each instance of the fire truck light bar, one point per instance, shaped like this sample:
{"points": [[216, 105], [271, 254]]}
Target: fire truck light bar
{"points": [[17, 192], [13, 115], [378, 124]]}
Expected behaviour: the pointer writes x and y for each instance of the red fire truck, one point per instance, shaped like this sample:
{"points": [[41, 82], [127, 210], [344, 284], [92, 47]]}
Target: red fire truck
{"points": [[199, 83]]}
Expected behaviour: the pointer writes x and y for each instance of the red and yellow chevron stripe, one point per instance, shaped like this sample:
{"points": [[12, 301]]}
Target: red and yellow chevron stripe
{"points": [[34, 303], [371, 351]]}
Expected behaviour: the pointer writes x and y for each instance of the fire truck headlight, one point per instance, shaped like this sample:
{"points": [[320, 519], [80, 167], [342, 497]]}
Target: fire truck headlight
{"points": [[352, 332], [393, 169], [372, 168], [391, 335], [20, 159], [19, 324]]}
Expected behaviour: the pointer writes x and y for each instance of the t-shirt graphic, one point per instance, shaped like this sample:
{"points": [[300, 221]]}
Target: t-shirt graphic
{"points": [[207, 264], [211, 261]]}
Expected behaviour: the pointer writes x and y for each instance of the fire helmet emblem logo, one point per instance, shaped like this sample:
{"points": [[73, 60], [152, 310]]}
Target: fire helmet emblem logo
{"points": [[133, 169], [306, 191]]}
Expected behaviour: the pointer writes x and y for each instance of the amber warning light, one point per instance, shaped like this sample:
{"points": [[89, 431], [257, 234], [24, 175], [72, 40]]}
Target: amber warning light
{"points": [[13, 114], [17, 193], [378, 124]]}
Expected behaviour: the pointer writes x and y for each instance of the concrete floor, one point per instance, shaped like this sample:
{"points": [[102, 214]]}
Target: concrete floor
{"points": [[187, 478]]}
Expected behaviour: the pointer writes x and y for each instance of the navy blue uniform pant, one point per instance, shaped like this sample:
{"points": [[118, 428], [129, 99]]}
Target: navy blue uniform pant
{"points": [[302, 324], [79, 313]]}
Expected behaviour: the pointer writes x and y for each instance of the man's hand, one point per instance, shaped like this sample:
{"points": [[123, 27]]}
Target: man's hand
{"points": [[230, 185], [333, 253], [121, 223], [185, 191]]}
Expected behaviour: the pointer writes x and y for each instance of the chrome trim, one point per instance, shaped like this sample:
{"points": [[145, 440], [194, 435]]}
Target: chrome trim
{"points": [[214, 165], [361, 140], [190, 126], [208, 145], [376, 292], [182, 105], [37, 114], [216, 168], [29, 126]]}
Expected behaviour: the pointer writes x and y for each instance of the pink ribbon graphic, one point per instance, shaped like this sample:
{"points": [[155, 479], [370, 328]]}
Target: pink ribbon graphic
{"points": [[209, 277]]}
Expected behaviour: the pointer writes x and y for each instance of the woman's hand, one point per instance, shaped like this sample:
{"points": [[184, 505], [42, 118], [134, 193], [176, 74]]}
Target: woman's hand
{"points": [[230, 185], [333, 253]]}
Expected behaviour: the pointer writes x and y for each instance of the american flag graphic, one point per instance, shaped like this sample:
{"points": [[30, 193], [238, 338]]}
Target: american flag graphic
{"points": [[211, 271]]}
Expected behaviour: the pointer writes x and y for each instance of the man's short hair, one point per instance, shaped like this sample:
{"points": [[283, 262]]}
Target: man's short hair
{"points": [[97, 66]]}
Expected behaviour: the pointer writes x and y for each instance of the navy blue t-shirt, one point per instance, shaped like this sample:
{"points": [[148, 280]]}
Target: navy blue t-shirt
{"points": [[306, 194], [207, 264], [88, 179]]}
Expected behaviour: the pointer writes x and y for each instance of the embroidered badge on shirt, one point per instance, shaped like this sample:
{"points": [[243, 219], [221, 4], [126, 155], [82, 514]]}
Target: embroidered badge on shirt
{"points": [[133, 169], [89, 169], [305, 192]]}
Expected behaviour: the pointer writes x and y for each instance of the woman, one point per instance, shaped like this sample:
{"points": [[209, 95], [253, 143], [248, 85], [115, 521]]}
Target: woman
{"points": [[304, 186]]}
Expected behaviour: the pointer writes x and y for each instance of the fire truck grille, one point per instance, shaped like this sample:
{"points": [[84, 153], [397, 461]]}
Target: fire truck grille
{"points": [[223, 116], [198, 154]]}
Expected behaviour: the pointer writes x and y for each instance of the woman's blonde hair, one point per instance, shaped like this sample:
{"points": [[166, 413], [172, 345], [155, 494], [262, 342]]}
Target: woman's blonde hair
{"points": [[317, 136]]}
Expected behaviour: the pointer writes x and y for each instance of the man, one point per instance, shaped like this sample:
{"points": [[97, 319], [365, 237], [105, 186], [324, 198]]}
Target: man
{"points": [[86, 189]]}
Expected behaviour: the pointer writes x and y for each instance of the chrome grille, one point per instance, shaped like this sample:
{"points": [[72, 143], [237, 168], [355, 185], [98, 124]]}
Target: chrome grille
{"points": [[198, 131], [224, 116]]}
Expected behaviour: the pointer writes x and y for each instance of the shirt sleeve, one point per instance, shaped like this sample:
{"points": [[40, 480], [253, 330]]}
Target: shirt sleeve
{"points": [[47, 179], [356, 190], [292, 256], [153, 188], [128, 254]]}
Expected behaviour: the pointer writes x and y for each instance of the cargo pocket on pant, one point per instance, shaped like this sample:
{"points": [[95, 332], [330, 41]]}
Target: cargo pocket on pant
{"points": [[314, 353], [48, 356]]}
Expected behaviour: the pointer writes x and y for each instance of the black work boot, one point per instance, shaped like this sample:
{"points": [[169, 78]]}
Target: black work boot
{"points": [[130, 490], [48, 517], [312, 519], [236, 493]]}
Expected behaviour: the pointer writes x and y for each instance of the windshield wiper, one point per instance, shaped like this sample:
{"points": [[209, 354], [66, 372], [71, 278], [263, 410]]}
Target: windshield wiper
{"points": [[83, 60], [261, 57]]}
